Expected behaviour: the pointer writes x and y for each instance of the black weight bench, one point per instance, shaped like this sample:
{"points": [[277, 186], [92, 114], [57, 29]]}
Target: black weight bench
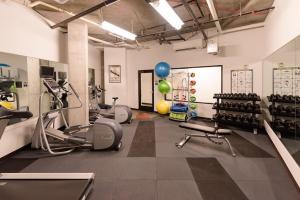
{"points": [[210, 133]]}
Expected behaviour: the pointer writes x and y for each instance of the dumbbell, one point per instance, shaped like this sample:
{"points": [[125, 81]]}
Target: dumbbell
{"points": [[290, 111], [242, 107], [257, 107], [287, 123], [226, 105], [221, 105], [231, 105], [292, 99], [271, 98], [297, 99], [238, 118], [297, 109], [280, 109], [234, 96], [244, 96], [229, 117], [278, 98], [249, 107], [234, 106], [272, 109], [292, 126], [278, 123], [217, 116], [297, 124], [285, 98]]}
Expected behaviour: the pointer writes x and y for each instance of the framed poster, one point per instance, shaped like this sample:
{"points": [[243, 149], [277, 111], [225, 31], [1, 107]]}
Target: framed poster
{"points": [[242, 81], [286, 81], [114, 73]]}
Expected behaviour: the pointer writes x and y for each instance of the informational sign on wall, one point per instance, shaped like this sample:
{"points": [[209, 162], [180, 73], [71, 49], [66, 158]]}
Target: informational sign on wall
{"points": [[242, 81], [286, 81]]}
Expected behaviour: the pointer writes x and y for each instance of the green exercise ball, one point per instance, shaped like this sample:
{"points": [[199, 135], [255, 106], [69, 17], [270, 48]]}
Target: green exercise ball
{"points": [[193, 99], [164, 86], [193, 106]]}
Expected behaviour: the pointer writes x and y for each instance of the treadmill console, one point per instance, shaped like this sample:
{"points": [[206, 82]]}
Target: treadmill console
{"points": [[52, 86]]}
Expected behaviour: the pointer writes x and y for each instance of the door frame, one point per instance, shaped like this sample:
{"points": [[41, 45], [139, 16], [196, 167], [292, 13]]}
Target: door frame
{"points": [[145, 108]]}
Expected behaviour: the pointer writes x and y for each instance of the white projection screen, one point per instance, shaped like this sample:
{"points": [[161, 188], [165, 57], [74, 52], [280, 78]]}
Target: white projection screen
{"points": [[208, 82]]}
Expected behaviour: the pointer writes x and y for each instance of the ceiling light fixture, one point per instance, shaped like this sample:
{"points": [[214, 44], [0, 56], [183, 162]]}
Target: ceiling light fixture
{"points": [[167, 12], [117, 30]]}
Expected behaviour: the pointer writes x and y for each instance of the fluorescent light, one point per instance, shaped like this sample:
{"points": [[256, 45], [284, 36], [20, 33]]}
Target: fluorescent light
{"points": [[117, 30], [167, 12]]}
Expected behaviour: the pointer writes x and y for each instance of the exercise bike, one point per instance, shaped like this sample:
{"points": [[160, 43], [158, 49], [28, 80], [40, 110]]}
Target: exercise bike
{"points": [[121, 113], [103, 134]]}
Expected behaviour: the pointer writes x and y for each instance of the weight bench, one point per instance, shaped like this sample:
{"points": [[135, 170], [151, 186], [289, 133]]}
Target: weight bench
{"points": [[209, 132]]}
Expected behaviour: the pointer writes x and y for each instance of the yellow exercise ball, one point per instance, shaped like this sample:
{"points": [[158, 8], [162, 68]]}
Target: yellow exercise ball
{"points": [[7, 105], [163, 107]]}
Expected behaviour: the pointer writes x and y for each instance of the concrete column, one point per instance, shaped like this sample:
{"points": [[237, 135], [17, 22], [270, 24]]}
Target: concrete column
{"points": [[78, 70]]}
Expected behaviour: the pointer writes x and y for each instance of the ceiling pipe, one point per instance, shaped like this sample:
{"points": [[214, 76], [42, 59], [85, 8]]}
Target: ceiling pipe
{"points": [[36, 3], [214, 14], [101, 41], [85, 12], [247, 6], [211, 21], [190, 11], [242, 28], [50, 23], [199, 8]]}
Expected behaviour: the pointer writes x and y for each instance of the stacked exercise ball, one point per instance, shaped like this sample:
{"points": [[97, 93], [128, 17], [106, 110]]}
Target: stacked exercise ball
{"points": [[164, 86], [162, 70], [162, 107]]}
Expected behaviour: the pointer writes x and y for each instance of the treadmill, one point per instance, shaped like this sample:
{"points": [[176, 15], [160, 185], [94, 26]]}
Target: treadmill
{"points": [[46, 186]]}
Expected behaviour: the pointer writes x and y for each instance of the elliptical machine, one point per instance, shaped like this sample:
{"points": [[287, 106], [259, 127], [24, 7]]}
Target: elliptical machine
{"points": [[103, 134], [120, 113]]}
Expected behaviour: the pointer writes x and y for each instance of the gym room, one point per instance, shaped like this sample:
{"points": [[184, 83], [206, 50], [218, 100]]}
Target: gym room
{"points": [[150, 100]]}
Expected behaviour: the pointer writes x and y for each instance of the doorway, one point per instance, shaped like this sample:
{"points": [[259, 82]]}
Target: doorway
{"points": [[146, 90]]}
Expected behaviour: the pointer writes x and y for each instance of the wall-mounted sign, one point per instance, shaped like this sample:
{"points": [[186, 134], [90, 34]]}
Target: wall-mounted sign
{"points": [[286, 81], [242, 81], [114, 73]]}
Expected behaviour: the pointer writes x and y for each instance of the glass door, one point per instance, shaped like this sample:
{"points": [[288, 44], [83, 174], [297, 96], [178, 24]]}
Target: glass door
{"points": [[146, 90]]}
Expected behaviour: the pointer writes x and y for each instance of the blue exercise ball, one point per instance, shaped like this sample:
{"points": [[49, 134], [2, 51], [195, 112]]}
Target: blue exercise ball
{"points": [[162, 69]]}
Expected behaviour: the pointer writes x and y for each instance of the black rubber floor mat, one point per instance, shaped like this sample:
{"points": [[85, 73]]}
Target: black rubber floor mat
{"points": [[213, 181], [246, 148], [14, 165], [143, 144]]}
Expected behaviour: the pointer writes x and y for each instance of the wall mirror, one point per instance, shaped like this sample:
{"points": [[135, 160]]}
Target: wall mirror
{"points": [[281, 95], [13, 82], [21, 82]]}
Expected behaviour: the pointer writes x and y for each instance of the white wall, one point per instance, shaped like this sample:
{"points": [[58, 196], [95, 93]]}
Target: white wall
{"points": [[95, 63], [282, 24], [238, 49], [25, 33], [116, 56]]}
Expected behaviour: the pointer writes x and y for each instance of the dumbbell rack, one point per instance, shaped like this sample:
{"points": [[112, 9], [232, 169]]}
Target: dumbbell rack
{"points": [[277, 115], [243, 124]]}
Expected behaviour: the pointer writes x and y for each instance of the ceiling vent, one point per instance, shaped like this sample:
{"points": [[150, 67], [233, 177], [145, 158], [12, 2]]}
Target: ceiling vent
{"points": [[188, 45]]}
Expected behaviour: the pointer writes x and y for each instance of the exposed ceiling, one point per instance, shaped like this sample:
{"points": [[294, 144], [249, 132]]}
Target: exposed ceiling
{"points": [[139, 17]]}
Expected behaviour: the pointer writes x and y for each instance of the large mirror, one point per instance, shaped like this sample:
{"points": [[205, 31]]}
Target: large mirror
{"points": [[281, 95], [21, 82]]}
